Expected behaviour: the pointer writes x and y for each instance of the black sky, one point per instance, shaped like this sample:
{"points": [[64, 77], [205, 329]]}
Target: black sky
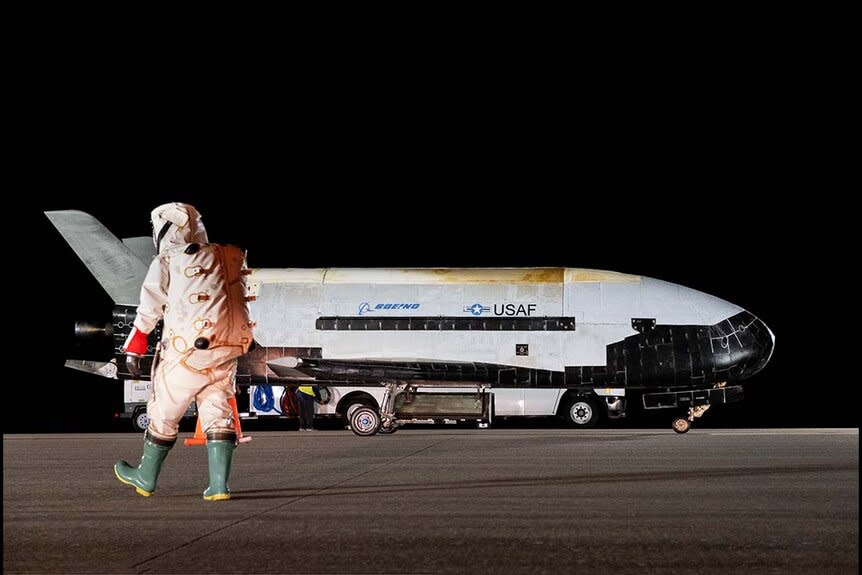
{"points": [[719, 200]]}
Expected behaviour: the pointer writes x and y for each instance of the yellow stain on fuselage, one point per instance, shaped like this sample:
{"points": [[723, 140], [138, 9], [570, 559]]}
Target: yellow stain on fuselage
{"points": [[437, 276], [588, 275]]}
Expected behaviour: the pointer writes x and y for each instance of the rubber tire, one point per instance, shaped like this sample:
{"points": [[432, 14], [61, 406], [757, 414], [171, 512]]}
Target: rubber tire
{"points": [[365, 422], [353, 407], [589, 405], [680, 424], [139, 417]]}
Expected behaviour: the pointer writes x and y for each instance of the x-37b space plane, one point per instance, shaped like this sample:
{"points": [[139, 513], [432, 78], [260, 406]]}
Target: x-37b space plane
{"points": [[579, 343]]}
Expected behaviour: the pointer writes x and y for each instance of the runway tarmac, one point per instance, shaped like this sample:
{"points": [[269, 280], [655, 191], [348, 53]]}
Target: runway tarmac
{"points": [[443, 500]]}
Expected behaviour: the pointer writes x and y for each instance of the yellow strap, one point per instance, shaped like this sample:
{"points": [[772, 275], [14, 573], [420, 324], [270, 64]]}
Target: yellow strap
{"points": [[306, 389]]}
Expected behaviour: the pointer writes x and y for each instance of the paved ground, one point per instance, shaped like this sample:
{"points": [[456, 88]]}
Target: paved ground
{"points": [[442, 501]]}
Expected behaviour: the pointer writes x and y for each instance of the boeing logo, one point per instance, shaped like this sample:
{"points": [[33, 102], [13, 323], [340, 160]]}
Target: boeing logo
{"points": [[366, 307]]}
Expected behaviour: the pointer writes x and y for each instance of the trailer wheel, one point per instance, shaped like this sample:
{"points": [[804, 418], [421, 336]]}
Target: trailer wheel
{"points": [[350, 404], [140, 419], [681, 424], [364, 422], [581, 412]]}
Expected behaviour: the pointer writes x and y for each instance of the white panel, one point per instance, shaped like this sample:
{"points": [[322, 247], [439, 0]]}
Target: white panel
{"points": [[541, 401], [620, 302], [710, 308], [588, 344], [508, 402], [584, 301], [137, 391], [671, 303], [610, 391], [661, 300], [286, 314]]}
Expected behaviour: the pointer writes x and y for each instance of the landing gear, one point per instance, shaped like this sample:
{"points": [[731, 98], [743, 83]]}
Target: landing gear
{"points": [[388, 423], [365, 421], [414, 406], [682, 424], [355, 404]]}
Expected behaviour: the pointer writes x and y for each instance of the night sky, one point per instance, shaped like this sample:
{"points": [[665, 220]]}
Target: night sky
{"points": [[704, 216]]}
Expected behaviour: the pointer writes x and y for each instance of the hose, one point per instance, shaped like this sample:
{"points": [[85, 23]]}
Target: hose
{"points": [[263, 399]]}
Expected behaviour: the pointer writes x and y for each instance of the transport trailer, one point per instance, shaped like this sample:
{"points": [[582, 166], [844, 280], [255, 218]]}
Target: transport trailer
{"points": [[383, 409], [405, 403], [409, 403]]}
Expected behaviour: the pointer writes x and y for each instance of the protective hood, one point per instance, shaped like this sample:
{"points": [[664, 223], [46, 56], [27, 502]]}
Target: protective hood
{"points": [[177, 224]]}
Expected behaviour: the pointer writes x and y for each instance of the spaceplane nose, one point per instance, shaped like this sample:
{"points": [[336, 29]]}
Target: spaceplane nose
{"points": [[759, 342], [742, 344]]}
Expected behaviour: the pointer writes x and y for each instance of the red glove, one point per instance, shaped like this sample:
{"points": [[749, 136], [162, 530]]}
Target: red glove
{"points": [[136, 344], [134, 348]]}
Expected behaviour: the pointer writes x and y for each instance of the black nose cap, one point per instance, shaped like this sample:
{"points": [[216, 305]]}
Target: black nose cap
{"points": [[756, 344], [764, 343]]}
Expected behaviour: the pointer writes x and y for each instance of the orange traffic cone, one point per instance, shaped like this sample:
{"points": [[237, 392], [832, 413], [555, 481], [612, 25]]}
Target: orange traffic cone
{"points": [[200, 437]]}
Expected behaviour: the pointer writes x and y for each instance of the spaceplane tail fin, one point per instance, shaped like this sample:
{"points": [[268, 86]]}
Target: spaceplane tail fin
{"points": [[142, 246], [116, 267]]}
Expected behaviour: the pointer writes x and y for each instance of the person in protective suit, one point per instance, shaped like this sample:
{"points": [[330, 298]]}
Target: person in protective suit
{"points": [[199, 290]]}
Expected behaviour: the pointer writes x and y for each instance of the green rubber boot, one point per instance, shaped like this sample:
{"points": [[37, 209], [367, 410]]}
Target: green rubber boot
{"points": [[143, 477], [219, 453]]}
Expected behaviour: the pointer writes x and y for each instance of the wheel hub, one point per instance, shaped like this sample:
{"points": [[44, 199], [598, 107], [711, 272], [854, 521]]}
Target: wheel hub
{"points": [[365, 423], [581, 412]]}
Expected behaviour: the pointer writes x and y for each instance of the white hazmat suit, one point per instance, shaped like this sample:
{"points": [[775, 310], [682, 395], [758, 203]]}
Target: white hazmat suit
{"points": [[199, 290]]}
